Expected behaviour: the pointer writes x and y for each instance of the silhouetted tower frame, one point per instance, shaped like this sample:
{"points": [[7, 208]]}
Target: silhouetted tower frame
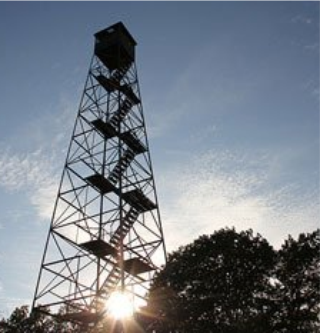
{"points": [[106, 232]]}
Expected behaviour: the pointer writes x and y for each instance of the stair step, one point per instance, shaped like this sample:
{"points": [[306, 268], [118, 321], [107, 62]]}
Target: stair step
{"points": [[112, 279], [119, 73], [102, 184], [108, 84], [104, 128], [136, 266], [123, 230], [121, 166], [131, 141], [111, 84], [138, 200], [99, 248], [127, 90]]}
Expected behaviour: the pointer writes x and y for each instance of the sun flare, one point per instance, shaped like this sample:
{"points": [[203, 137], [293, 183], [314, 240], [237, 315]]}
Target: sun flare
{"points": [[119, 305]]}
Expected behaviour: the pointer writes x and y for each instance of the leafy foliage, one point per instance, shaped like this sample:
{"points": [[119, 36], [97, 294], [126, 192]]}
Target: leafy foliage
{"points": [[236, 282], [297, 298], [218, 283], [20, 321]]}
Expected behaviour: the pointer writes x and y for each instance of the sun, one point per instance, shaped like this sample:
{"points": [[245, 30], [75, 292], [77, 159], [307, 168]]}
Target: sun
{"points": [[119, 305]]}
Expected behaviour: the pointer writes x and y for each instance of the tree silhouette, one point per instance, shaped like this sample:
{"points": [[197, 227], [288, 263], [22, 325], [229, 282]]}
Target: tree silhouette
{"points": [[21, 321], [297, 296], [216, 284]]}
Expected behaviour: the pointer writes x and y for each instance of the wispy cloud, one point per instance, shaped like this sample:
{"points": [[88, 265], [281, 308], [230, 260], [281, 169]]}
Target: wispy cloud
{"points": [[20, 170], [34, 166], [304, 39], [312, 87], [34, 173], [219, 190], [302, 19], [312, 47]]}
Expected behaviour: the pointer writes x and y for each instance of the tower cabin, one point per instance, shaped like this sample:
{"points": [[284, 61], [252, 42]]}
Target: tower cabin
{"points": [[115, 46]]}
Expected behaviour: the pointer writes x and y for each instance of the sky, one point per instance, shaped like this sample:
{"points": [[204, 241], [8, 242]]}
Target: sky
{"points": [[230, 92]]}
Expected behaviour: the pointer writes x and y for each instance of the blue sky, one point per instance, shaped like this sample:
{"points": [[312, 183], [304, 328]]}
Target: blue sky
{"points": [[231, 98]]}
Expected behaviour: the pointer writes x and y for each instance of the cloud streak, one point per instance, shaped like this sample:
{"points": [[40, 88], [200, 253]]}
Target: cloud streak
{"points": [[35, 174], [34, 166], [220, 190]]}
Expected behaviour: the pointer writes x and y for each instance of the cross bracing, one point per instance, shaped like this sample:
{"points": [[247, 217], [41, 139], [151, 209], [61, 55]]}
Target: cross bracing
{"points": [[105, 232]]}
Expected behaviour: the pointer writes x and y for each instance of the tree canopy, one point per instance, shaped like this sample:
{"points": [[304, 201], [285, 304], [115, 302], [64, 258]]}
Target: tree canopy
{"points": [[297, 292], [21, 321], [236, 282]]}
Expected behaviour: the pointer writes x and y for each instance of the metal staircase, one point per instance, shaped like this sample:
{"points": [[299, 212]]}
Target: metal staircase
{"points": [[121, 166], [112, 280], [123, 229], [119, 73], [121, 113]]}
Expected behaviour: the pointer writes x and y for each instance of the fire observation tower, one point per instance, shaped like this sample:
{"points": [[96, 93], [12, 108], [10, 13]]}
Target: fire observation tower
{"points": [[105, 233]]}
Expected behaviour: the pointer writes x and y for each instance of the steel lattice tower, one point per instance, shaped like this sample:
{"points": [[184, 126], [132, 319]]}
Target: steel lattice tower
{"points": [[106, 232]]}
